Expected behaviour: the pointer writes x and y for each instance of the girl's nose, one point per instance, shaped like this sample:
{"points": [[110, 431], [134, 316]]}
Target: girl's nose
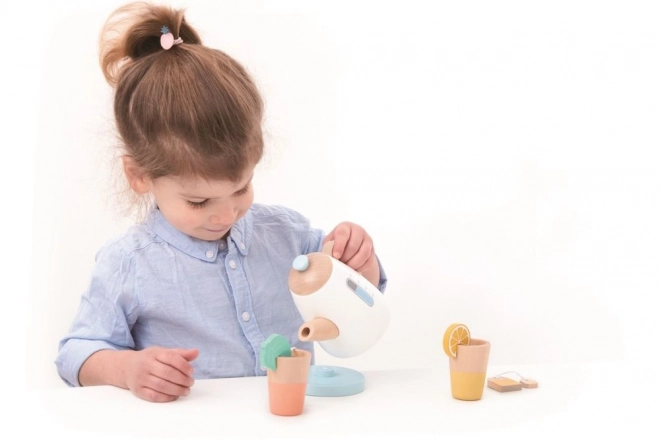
{"points": [[225, 217]]}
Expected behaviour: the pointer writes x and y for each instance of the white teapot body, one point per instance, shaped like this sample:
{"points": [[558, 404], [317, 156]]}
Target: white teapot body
{"points": [[327, 292]]}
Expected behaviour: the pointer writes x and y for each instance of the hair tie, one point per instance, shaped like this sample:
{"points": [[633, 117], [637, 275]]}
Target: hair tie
{"points": [[167, 39]]}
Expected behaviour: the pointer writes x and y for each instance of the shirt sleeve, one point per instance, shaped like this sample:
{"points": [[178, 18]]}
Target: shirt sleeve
{"points": [[105, 315], [382, 280]]}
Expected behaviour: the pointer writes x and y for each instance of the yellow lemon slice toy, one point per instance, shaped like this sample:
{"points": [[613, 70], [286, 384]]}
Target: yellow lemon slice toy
{"points": [[455, 335]]}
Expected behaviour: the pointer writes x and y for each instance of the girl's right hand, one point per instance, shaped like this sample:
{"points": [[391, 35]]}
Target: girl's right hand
{"points": [[160, 374]]}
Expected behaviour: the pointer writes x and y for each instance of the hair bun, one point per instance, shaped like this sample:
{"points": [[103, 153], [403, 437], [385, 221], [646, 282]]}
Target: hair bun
{"points": [[133, 31]]}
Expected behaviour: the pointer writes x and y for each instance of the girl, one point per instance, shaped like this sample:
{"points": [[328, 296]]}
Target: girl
{"points": [[193, 290]]}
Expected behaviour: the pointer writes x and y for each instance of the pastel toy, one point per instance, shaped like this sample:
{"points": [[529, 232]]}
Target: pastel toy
{"points": [[343, 312], [503, 384], [287, 371], [468, 362], [273, 347], [167, 39]]}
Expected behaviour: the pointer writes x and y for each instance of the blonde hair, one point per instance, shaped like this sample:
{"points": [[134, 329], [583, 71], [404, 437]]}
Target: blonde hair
{"points": [[190, 111]]}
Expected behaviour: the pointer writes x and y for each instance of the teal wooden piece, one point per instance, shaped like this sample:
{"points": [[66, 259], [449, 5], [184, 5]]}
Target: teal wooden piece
{"points": [[273, 347]]}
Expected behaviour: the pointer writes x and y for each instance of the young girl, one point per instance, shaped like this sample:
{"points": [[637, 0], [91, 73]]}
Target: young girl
{"points": [[192, 291]]}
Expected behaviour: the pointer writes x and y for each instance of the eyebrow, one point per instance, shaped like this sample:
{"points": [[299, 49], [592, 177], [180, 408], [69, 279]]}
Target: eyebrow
{"points": [[191, 196]]}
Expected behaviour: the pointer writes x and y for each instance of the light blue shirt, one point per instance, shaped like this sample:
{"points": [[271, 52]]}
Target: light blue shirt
{"points": [[157, 286]]}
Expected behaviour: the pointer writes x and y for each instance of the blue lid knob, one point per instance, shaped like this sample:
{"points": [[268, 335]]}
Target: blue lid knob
{"points": [[323, 371], [300, 263]]}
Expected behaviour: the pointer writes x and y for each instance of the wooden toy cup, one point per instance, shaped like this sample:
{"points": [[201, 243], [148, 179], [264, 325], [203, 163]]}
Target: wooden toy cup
{"points": [[467, 370], [288, 382]]}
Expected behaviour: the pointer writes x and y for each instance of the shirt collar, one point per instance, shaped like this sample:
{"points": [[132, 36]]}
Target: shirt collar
{"points": [[240, 233], [239, 236]]}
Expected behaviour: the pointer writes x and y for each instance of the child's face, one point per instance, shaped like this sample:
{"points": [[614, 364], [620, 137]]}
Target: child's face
{"points": [[203, 209]]}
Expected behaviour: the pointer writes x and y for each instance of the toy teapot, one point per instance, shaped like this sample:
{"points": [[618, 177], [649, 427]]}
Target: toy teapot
{"points": [[343, 311]]}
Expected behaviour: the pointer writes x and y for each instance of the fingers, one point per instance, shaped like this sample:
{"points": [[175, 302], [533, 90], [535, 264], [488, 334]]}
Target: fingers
{"points": [[172, 375], [156, 389], [189, 354], [163, 375], [154, 396], [352, 246], [327, 246], [340, 235], [363, 259], [357, 250], [179, 360]]}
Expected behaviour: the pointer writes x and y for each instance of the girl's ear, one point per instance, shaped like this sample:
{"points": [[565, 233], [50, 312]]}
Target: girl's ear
{"points": [[138, 181]]}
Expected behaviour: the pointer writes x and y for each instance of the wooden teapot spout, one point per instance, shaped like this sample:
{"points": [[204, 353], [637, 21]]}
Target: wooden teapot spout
{"points": [[318, 329]]}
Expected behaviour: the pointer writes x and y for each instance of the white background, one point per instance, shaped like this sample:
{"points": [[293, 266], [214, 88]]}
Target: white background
{"points": [[501, 154]]}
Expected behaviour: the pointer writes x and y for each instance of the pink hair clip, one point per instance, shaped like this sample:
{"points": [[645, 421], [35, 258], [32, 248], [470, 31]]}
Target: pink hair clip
{"points": [[167, 39]]}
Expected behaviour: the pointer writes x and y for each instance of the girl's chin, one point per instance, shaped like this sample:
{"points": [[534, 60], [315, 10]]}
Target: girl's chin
{"points": [[214, 234]]}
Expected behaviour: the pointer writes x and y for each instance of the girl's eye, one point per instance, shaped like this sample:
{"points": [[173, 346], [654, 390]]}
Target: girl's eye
{"points": [[243, 191], [198, 204]]}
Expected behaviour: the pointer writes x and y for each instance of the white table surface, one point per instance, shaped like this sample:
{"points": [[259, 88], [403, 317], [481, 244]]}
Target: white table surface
{"points": [[572, 399]]}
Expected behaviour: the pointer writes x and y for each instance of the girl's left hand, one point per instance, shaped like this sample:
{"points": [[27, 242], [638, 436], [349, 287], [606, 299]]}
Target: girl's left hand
{"points": [[353, 247]]}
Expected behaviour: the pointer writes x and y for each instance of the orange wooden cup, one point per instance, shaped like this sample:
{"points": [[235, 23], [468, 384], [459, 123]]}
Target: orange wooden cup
{"points": [[288, 382]]}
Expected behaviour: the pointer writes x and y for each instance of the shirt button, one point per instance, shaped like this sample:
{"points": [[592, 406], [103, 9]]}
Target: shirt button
{"points": [[245, 316], [263, 368], [243, 246], [232, 264], [209, 254], [222, 245]]}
